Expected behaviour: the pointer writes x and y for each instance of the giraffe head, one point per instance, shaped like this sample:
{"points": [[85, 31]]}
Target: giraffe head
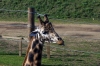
{"points": [[47, 31]]}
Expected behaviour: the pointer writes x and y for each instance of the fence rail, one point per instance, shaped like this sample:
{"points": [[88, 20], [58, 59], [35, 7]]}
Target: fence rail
{"points": [[17, 39]]}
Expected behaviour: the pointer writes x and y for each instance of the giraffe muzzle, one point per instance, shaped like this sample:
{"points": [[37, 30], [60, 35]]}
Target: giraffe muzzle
{"points": [[60, 41]]}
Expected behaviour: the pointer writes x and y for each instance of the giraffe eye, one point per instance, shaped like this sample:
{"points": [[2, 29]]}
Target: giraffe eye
{"points": [[45, 32]]}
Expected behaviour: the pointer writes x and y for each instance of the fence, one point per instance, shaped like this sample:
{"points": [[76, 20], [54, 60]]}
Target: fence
{"points": [[78, 51]]}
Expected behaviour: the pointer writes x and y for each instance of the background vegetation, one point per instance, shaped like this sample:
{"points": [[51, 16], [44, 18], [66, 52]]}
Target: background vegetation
{"points": [[60, 9]]}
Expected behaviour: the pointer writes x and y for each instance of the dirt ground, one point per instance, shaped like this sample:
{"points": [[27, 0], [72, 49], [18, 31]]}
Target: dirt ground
{"points": [[20, 29]]}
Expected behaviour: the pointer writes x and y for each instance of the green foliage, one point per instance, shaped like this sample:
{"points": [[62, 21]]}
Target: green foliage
{"points": [[56, 8]]}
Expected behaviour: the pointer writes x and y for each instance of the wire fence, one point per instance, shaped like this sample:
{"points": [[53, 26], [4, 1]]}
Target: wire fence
{"points": [[22, 11], [73, 53], [78, 51], [91, 44]]}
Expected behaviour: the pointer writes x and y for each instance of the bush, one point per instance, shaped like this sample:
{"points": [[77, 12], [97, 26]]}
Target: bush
{"points": [[56, 8]]}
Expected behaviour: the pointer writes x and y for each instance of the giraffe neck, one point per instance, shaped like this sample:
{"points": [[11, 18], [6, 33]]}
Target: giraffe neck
{"points": [[34, 53]]}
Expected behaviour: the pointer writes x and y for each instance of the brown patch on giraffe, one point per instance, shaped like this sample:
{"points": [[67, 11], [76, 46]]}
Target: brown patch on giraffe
{"points": [[37, 59], [30, 57], [27, 65], [36, 62], [37, 46]]}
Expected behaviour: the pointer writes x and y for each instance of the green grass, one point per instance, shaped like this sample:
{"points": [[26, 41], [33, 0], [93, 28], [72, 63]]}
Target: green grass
{"points": [[12, 19], [11, 60], [76, 21], [82, 59], [57, 21], [65, 9], [15, 60], [56, 8]]}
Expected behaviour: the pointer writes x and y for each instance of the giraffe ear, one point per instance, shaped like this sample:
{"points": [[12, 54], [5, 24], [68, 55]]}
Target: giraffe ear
{"points": [[40, 20], [34, 33]]}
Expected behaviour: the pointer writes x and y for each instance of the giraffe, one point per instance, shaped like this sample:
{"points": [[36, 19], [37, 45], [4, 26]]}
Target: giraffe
{"points": [[41, 34], [48, 27]]}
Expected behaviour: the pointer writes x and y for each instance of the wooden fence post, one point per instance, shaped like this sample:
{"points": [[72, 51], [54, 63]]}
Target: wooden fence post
{"points": [[20, 47], [48, 50], [31, 19]]}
